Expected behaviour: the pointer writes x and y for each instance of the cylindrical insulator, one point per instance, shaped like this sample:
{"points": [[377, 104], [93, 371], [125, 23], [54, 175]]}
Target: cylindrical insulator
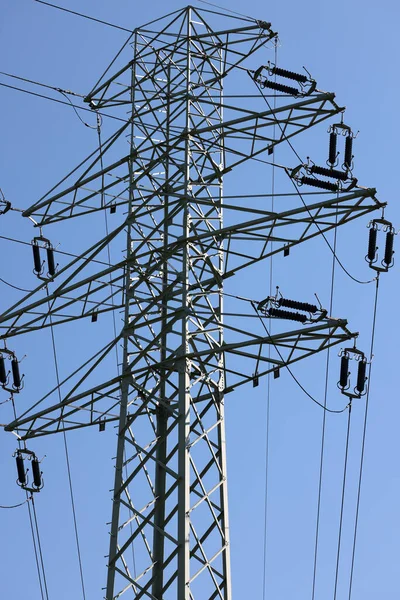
{"points": [[15, 373], [361, 379], [50, 262], [311, 308], [289, 74], [332, 148], [344, 371], [3, 373], [285, 314], [21, 469], [389, 248], [348, 152], [286, 89], [36, 258], [37, 475], [324, 185], [334, 173], [372, 244]]}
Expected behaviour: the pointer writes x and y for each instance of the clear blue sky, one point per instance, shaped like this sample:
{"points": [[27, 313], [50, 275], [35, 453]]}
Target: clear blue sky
{"points": [[351, 48]]}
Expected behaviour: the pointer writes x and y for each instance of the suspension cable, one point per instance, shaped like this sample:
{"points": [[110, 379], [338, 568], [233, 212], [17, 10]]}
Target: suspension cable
{"points": [[66, 453], [342, 501], [324, 419], [17, 505], [39, 547], [363, 438]]}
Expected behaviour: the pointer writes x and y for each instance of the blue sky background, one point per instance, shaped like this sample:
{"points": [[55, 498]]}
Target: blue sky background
{"points": [[350, 48]]}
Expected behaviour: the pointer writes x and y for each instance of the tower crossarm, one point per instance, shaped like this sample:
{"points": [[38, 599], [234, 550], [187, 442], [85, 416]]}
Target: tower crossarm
{"points": [[100, 403]]}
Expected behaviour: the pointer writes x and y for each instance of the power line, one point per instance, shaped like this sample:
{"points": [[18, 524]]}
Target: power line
{"points": [[17, 505], [324, 420], [293, 375], [39, 548], [73, 12], [342, 501], [364, 438], [13, 87], [67, 456]]}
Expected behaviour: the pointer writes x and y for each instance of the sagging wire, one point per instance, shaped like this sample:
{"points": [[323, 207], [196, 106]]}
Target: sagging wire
{"points": [[75, 110], [17, 505], [301, 197], [66, 451], [324, 419], [325, 408], [15, 286], [327, 241]]}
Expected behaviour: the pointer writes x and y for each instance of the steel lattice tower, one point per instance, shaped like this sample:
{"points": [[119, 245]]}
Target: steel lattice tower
{"points": [[182, 243]]}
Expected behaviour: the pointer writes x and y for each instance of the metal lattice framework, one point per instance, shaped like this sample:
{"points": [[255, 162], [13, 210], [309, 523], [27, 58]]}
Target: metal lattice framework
{"points": [[181, 357]]}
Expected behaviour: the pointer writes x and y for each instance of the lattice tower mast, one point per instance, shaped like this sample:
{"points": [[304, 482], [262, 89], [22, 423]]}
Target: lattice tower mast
{"points": [[170, 490]]}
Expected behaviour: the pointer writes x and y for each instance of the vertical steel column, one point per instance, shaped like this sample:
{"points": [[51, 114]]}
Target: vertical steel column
{"points": [[122, 423], [184, 380], [162, 408]]}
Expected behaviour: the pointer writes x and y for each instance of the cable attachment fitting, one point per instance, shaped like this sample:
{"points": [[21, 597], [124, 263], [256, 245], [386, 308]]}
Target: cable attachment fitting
{"points": [[273, 306], [344, 378], [38, 244], [17, 383], [263, 24], [21, 455], [5, 205], [372, 256], [266, 76]]}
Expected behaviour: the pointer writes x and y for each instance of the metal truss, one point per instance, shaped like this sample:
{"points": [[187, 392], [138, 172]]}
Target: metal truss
{"points": [[181, 353]]}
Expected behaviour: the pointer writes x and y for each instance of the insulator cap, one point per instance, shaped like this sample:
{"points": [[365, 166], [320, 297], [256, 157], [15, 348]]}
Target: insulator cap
{"points": [[37, 475], [3, 373], [311, 308], [21, 469], [372, 244], [324, 185], [361, 379], [36, 258], [334, 173], [50, 262], [348, 152], [344, 371], [332, 148], [387, 259], [289, 74], [286, 89], [15, 373], [286, 314]]}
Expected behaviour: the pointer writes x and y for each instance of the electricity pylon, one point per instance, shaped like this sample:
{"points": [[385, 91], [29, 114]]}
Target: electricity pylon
{"points": [[181, 357]]}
